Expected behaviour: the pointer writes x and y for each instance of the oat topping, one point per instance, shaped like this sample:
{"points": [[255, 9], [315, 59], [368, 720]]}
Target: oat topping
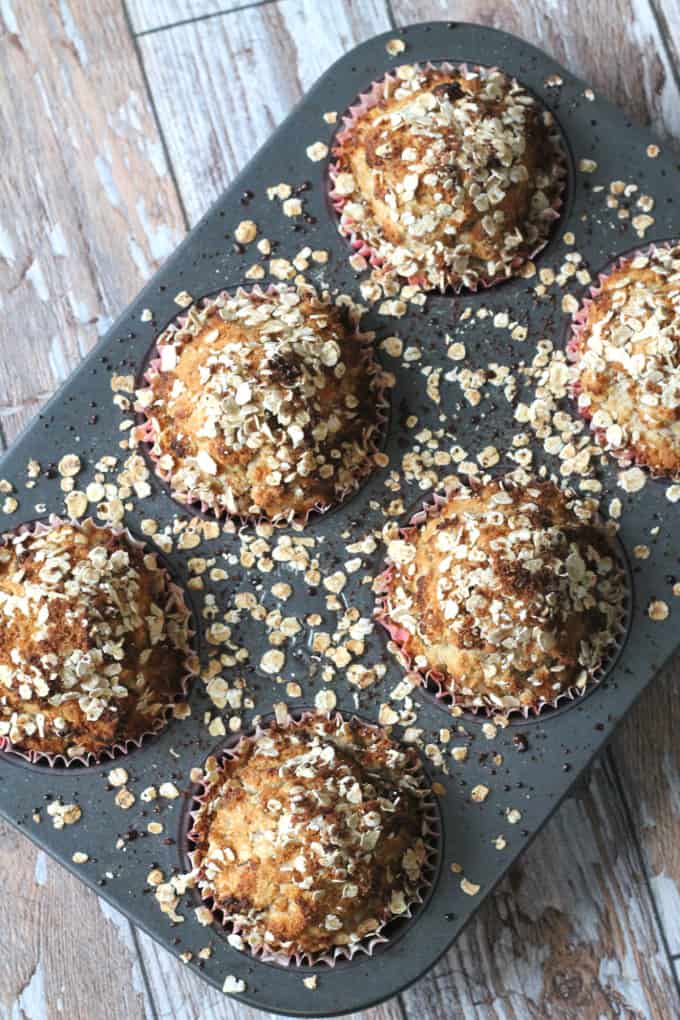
{"points": [[449, 177], [626, 371], [312, 836], [93, 641], [508, 595], [263, 404]]}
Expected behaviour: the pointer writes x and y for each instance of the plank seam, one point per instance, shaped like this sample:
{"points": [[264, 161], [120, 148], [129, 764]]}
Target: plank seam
{"points": [[201, 17], [390, 15], [159, 126], [662, 26], [145, 976], [401, 1005], [642, 861]]}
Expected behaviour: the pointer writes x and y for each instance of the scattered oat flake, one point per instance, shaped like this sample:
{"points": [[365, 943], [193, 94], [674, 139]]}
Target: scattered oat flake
{"points": [[587, 166], [64, 814], [310, 982], [233, 984], [317, 151], [479, 793], [272, 661], [79, 857], [117, 777], [632, 480], [653, 151], [469, 888], [125, 798], [395, 46], [658, 610], [246, 232], [325, 701], [69, 465]]}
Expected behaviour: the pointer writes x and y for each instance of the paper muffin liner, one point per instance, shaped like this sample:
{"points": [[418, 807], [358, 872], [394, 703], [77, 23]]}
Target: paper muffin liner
{"points": [[175, 601], [144, 432], [436, 683], [430, 835], [627, 455], [365, 101]]}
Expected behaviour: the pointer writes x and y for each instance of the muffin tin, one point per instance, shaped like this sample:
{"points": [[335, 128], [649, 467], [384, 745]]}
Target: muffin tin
{"points": [[541, 756]]}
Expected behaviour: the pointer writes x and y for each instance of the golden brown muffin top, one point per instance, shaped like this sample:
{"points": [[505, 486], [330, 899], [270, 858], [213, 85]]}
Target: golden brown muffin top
{"points": [[311, 837], [264, 404], [511, 593], [93, 640], [452, 177], [627, 370]]}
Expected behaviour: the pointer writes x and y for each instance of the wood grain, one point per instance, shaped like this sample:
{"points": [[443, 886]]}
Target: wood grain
{"points": [[61, 953], [647, 755], [147, 15], [222, 85], [87, 209]]}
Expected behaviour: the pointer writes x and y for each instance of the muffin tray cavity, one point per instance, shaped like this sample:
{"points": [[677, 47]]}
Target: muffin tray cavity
{"points": [[527, 766]]}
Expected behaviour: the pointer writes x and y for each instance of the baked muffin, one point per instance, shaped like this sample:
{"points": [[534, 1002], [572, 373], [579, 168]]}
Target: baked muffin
{"points": [[508, 595], [626, 348], [94, 641], [263, 405], [311, 837], [448, 176]]}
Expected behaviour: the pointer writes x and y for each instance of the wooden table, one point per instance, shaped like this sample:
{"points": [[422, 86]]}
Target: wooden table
{"points": [[120, 125]]}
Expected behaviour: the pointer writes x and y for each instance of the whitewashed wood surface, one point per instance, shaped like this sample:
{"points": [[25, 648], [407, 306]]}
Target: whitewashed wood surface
{"points": [[120, 125]]}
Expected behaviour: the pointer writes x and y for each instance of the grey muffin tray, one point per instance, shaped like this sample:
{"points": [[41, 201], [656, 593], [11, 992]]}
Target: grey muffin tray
{"points": [[538, 769]]}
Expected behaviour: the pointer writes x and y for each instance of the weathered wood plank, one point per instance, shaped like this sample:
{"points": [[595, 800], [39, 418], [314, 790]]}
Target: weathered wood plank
{"points": [[615, 46], [87, 208], [222, 85], [569, 934], [41, 976], [87, 211], [146, 16], [647, 755]]}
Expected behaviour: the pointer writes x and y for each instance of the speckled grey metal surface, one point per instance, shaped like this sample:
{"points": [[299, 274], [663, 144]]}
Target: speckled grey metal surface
{"points": [[559, 745]]}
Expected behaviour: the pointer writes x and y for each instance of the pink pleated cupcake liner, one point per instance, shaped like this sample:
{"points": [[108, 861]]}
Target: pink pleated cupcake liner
{"points": [[442, 687], [175, 603], [430, 834], [625, 456], [144, 433], [380, 90]]}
